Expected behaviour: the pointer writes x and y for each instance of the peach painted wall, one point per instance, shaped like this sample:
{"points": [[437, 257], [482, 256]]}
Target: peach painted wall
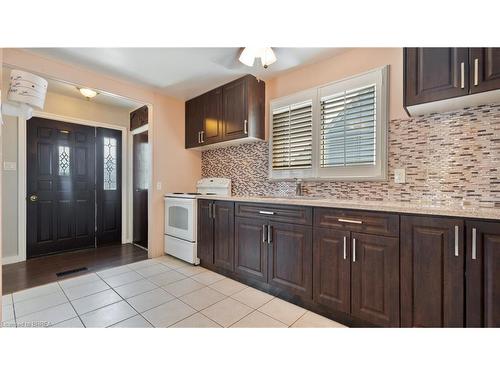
{"points": [[351, 62], [173, 166]]}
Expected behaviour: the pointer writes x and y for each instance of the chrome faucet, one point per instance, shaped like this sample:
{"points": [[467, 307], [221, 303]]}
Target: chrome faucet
{"points": [[298, 187]]}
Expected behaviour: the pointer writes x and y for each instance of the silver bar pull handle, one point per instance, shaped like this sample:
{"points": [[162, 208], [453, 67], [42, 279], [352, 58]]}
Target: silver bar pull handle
{"points": [[345, 247], [245, 126], [462, 75], [269, 234], [264, 233], [351, 221], [210, 210], [456, 240], [199, 137], [354, 250], [476, 72], [202, 136], [213, 211], [266, 212], [474, 243]]}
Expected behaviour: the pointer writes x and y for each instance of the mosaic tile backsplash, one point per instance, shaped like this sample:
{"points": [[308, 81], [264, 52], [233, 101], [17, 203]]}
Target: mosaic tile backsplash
{"points": [[450, 159]]}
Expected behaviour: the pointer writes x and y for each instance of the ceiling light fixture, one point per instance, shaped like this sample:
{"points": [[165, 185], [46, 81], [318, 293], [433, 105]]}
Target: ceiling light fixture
{"points": [[266, 55], [88, 93]]}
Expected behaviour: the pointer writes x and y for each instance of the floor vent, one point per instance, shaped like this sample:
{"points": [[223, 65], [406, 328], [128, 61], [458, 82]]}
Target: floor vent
{"points": [[69, 272]]}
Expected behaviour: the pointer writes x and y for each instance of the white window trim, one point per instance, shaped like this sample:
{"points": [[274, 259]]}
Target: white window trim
{"points": [[377, 172]]}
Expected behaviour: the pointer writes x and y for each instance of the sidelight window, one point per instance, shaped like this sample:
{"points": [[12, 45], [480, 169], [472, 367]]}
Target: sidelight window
{"points": [[110, 163]]}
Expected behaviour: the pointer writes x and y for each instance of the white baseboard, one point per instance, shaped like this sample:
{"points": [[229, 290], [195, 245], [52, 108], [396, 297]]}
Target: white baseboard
{"points": [[12, 259]]}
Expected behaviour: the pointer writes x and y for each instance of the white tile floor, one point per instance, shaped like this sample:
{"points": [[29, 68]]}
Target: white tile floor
{"points": [[161, 292]]}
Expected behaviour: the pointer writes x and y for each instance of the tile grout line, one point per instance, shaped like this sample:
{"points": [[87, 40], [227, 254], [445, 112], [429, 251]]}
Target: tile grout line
{"points": [[73, 307]]}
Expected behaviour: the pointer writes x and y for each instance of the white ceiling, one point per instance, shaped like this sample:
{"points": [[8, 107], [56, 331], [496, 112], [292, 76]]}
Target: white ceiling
{"points": [[183, 72]]}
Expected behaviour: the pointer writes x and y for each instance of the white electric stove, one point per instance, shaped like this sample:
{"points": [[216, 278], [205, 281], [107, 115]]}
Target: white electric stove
{"points": [[181, 217]]}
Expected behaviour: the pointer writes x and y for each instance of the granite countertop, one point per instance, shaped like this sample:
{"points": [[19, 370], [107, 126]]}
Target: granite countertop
{"points": [[384, 206]]}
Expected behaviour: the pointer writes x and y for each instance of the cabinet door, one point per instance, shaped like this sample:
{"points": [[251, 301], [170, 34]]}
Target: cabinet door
{"points": [[212, 114], [234, 109], [251, 248], [205, 238], [432, 272], [485, 69], [223, 214], [375, 279], [194, 122], [332, 269], [433, 74], [483, 274], [290, 258]]}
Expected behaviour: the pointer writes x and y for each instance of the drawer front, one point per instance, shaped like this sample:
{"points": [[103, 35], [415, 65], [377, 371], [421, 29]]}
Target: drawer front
{"points": [[357, 221], [285, 214]]}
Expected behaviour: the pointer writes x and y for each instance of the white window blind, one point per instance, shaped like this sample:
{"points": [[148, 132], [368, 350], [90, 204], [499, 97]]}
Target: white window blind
{"points": [[292, 136], [348, 128]]}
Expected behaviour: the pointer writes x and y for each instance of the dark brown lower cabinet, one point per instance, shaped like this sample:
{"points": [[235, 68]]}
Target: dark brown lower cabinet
{"points": [[250, 251], [290, 258], [332, 269], [216, 233], [223, 217], [483, 274], [375, 279], [205, 234], [432, 272]]}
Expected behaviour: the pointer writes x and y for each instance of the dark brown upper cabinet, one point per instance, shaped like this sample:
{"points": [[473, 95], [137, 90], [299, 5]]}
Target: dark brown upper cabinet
{"points": [[485, 69], [194, 122], [433, 75], [234, 111], [432, 272], [139, 117], [212, 123], [482, 274]]}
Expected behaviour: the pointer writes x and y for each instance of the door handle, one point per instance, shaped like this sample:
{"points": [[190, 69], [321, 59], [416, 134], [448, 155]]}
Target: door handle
{"points": [[264, 233], [462, 75], [474, 243], [199, 137], [476, 72], [210, 210], [33, 197], [245, 126], [456, 240], [354, 250], [269, 234], [202, 134], [345, 247], [213, 211]]}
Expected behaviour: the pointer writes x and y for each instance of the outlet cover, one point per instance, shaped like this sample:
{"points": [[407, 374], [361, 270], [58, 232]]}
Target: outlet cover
{"points": [[399, 176], [9, 165], [158, 185]]}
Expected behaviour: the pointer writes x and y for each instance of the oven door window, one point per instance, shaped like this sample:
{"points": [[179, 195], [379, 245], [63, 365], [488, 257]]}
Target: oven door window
{"points": [[178, 217]]}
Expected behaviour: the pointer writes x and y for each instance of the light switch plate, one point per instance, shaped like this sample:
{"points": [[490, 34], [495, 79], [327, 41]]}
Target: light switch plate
{"points": [[9, 165], [399, 176], [158, 185]]}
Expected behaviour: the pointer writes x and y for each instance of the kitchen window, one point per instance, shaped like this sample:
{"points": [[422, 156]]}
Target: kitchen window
{"points": [[335, 132]]}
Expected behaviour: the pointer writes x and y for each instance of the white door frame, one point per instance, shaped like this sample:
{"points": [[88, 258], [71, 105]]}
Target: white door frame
{"points": [[141, 129], [22, 177]]}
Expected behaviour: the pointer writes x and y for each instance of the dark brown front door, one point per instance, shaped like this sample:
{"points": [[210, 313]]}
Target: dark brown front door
{"points": [[108, 186], [140, 184], [60, 186]]}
